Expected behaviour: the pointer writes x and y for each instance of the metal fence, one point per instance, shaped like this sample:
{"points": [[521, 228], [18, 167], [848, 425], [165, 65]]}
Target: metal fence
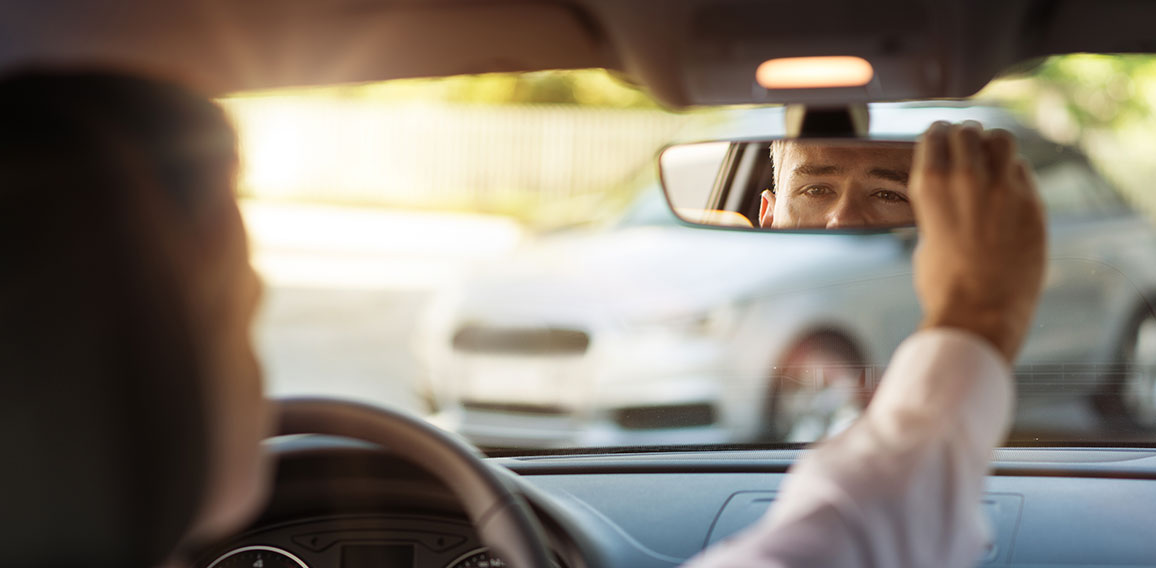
{"points": [[369, 151]]}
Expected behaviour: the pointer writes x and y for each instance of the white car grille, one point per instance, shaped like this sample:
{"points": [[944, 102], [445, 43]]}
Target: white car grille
{"points": [[521, 341]]}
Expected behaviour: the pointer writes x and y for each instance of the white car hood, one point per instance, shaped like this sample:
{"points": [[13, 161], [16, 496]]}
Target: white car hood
{"points": [[651, 273]]}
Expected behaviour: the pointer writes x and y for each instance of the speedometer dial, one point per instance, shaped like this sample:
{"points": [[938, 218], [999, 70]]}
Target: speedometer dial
{"points": [[480, 558], [258, 557]]}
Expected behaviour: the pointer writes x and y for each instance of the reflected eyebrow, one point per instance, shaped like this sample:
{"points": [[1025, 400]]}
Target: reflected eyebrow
{"points": [[897, 176], [816, 170]]}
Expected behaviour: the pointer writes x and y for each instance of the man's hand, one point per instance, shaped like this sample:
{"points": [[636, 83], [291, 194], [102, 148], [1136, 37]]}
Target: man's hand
{"points": [[980, 261]]}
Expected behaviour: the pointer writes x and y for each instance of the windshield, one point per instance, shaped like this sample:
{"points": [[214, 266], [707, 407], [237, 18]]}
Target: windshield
{"points": [[408, 236], [648, 208]]}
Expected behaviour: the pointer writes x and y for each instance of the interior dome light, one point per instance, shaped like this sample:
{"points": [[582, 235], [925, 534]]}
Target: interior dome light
{"points": [[814, 72]]}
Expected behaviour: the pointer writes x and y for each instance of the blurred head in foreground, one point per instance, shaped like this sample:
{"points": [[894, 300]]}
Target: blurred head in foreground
{"points": [[837, 185], [130, 387]]}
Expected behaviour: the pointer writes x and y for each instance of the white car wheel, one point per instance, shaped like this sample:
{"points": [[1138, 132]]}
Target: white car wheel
{"points": [[817, 391], [1138, 392]]}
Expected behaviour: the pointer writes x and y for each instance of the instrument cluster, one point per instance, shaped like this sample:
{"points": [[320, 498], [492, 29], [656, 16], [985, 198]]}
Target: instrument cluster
{"points": [[357, 542]]}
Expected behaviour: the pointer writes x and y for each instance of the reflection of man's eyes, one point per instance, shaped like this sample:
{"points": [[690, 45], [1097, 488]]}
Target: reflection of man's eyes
{"points": [[815, 191], [891, 196]]}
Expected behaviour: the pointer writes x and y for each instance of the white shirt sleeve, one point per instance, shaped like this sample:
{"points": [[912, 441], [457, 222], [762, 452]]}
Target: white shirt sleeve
{"points": [[902, 486]]}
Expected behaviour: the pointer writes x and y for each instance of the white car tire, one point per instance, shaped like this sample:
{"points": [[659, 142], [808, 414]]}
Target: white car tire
{"points": [[816, 390], [1128, 399]]}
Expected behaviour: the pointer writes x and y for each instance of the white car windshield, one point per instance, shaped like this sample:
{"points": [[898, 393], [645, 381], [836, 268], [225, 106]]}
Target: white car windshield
{"points": [[434, 275]]}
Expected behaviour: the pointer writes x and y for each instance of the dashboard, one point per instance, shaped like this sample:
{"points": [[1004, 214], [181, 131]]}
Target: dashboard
{"points": [[343, 504], [384, 541]]}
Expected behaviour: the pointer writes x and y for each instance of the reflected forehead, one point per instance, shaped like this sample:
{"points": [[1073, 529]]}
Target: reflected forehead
{"points": [[845, 156]]}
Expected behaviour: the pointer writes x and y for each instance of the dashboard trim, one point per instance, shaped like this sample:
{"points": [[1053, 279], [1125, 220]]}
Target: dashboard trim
{"points": [[1126, 463]]}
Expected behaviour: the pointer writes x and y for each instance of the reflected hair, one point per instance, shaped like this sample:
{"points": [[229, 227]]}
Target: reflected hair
{"points": [[778, 148]]}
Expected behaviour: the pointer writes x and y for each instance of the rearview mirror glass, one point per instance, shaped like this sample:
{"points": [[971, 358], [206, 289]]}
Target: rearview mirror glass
{"points": [[790, 184]]}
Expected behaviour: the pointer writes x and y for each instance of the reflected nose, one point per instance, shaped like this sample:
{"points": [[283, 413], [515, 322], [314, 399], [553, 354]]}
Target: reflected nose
{"points": [[847, 213]]}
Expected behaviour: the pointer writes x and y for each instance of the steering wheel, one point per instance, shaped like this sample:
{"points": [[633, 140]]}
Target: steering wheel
{"points": [[501, 516]]}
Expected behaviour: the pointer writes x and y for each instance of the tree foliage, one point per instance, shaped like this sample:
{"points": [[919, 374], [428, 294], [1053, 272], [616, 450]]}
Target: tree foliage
{"points": [[1086, 91], [1102, 103]]}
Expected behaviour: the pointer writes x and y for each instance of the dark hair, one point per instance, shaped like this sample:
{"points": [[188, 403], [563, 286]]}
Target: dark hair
{"points": [[101, 400], [185, 139]]}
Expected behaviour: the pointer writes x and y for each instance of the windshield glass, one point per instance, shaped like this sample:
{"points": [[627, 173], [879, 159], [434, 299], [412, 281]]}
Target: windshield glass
{"points": [[409, 234]]}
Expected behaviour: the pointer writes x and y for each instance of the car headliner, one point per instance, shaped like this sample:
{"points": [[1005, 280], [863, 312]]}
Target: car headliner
{"points": [[684, 51]]}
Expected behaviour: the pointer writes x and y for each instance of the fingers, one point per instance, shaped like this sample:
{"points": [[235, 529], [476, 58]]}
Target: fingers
{"points": [[966, 148], [1001, 152], [931, 153], [965, 167], [929, 173], [967, 152]]}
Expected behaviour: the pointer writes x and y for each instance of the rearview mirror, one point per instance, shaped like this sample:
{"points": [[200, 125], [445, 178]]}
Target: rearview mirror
{"points": [[811, 184]]}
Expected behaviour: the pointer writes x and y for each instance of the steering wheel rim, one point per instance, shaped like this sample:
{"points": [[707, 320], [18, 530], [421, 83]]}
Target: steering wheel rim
{"points": [[501, 516]]}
